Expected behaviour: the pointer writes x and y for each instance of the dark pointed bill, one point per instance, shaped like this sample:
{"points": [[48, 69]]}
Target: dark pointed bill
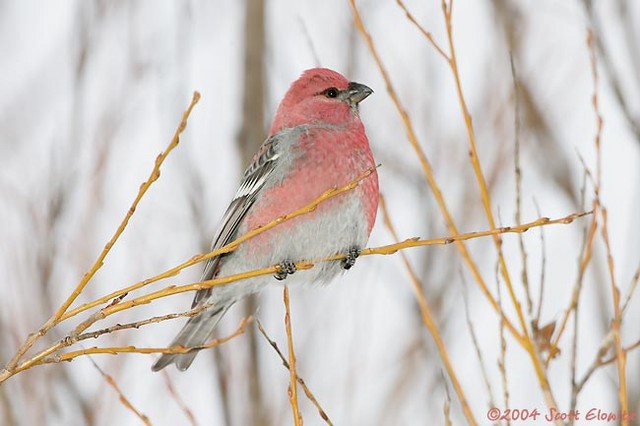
{"points": [[358, 92]]}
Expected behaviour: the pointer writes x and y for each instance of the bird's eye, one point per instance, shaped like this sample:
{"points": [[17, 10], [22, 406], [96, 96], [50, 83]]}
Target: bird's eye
{"points": [[331, 92]]}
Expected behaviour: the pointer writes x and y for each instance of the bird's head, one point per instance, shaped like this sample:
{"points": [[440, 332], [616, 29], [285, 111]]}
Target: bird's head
{"points": [[320, 96]]}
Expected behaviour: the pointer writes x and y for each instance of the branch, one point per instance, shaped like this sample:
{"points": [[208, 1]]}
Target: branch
{"points": [[155, 174], [123, 399], [304, 386], [225, 249], [301, 265], [293, 384], [179, 349], [429, 175], [427, 319]]}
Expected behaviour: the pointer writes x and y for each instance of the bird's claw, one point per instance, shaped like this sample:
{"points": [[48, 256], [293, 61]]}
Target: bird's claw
{"points": [[286, 268], [350, 258]]}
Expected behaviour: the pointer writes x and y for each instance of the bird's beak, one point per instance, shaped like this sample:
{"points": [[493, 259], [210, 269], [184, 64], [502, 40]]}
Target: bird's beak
{"points": [[357, 92]]}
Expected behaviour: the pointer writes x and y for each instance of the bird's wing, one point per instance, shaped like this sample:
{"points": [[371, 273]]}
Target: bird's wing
{"points": [[253, 180]]}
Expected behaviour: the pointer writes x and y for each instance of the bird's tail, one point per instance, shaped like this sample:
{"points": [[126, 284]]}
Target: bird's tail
{"points": [[196, 332]]}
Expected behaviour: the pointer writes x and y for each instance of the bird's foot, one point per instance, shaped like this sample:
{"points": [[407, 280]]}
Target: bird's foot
{"points": [[286, 268], [350, 258]]}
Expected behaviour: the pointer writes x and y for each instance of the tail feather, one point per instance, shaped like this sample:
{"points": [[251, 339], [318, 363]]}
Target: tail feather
{"points": [[196, 332]]}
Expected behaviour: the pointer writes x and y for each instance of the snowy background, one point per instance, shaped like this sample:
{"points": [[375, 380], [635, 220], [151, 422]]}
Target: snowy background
{"points": [[92, 91]]}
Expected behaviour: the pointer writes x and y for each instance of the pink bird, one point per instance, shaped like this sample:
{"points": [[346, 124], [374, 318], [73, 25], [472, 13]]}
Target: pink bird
{"points": [[316, 142]]}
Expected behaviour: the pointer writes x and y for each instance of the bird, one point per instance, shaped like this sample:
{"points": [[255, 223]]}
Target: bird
{"points": [[317, 142]]}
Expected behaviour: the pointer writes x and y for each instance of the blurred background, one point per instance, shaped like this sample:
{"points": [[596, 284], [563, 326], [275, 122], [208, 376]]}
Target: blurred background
{"points": [[92, 91]]}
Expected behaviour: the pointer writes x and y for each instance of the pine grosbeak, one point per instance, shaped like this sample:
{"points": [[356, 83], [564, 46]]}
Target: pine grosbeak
{"points": [[316, 142]]}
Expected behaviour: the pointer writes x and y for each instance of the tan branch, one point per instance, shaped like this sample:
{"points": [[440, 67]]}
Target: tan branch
{"points": [[427, 319], [428, 172], [155, 174], [121, 396], [69, 356], [301, 265], [302, 383], [293, 384], [225, 249]]}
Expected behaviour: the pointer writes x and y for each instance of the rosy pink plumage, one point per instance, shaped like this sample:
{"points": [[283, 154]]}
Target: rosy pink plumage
{"points": [[316, 142]]}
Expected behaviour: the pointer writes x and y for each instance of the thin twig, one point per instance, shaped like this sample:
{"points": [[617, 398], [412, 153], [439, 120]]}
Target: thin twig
{"points": [[476, 345], [526, 341], [627, 349], [179, 349], [597, 362], [155, 174], [385, 250], [610, 71], [428, 171], [585, 259], [543, 268], [446, 406], [616, 323], [225, 249], [293, 384], [415, 242], [171, 290], [600, 361], [587, 241], [574, 356], [427, 318], [575, 389], [424, 32], [122, 398], [615, 292], [174, 394], [586, 252], [302, 383], [502, 361], [137, 324], [518, 179], [607, 343], [631, 290], [117, 296]]}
